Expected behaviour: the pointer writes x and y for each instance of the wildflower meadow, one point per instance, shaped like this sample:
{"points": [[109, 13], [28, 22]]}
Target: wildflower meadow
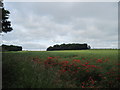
{"points": [[61, 69]]}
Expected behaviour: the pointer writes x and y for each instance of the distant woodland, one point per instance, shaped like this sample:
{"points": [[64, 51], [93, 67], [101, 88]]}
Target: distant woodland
{"points": [[11, 48], [72, 46]]}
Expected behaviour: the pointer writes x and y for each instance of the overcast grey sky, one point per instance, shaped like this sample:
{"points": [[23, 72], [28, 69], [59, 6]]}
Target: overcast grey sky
{"points": [[38, 25]]}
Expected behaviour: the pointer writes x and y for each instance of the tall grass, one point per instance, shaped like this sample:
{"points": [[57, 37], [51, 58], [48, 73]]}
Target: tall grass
{"points": [[19, 70]]}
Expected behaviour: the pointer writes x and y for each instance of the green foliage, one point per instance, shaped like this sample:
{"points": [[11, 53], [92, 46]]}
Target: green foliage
{"points": [[6, 25], [68, 47], [11, 48], [61, 69]]}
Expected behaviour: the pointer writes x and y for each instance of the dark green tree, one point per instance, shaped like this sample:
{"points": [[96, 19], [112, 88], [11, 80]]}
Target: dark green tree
{"points": [[5, 24], [73, 46]]}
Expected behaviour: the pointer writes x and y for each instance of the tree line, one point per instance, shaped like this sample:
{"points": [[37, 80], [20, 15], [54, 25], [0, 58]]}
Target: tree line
{"points": [[11, 48], [72, 46]]}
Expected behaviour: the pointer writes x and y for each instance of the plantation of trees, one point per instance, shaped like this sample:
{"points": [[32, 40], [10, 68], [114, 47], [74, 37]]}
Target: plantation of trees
{"points": [[69, 47], [11, 48]]}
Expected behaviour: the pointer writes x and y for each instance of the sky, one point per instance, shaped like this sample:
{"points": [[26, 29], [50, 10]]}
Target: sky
{"points": [[38, 25]]}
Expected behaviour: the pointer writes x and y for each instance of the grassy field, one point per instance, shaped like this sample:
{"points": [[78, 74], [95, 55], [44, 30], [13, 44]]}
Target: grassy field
{"points": [[61, 69]]}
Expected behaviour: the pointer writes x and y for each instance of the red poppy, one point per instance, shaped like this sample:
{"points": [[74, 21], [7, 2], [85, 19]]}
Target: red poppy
{"points": [[78, 68], [78, 61], [87, 71], [86, 63], [93, 66], [50, 57], [83, 83], [92, 81], [83, 87], [64, 62], [99, 61], [63, 70]]}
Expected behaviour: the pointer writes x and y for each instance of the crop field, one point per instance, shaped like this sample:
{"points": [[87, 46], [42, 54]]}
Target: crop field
{"points": [[61, 69]]}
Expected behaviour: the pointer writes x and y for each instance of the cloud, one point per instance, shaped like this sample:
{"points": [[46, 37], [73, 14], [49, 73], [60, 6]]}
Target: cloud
{"points": [[39, 25]]}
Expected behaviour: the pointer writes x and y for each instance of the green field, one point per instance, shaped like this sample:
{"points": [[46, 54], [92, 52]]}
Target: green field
{"points": [[61, 69]]}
